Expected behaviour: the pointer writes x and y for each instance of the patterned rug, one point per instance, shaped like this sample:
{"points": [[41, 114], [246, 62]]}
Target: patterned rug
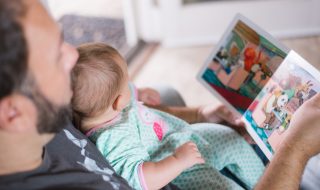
{"points": [[82, 29]]}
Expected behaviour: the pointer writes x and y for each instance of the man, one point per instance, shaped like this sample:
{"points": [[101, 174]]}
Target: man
{"points": [[40, 149], [35, 65]]}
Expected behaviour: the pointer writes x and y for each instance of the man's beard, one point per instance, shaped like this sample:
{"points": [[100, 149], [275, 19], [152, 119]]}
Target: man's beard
{"points": [[51, 118]]}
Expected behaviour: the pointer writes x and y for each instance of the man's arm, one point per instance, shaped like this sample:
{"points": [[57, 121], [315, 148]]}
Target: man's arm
{"points": [[151, 98], [208, 113], [300, 144], [284, 171], [190, 115]]}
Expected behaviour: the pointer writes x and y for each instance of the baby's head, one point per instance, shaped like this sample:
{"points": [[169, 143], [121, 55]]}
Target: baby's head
{"points": [[100, 84]]}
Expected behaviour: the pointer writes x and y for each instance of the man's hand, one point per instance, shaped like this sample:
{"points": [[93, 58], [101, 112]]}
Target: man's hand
{"points": [[218, 114], [188, 155], [303, 133], [221, 114], [299, 145], [149, 96]]}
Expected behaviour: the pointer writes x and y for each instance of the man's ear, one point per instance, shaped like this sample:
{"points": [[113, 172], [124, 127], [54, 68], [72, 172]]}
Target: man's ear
{"points": [[13, 114]]}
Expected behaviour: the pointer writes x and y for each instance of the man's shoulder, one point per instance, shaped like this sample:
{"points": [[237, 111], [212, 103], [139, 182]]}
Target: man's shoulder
{"points": [[72, 161], [70, 146]]}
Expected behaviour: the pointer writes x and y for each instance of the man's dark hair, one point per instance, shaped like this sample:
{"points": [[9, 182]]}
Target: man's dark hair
{"points": [[13, 47], [14, 75]]}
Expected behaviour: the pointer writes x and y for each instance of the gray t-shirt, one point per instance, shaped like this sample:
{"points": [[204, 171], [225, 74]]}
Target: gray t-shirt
{"points": [[70, 161]]}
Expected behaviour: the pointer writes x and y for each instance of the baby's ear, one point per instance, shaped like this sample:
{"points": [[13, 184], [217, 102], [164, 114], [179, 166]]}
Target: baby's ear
{"points": [[118, 104]]}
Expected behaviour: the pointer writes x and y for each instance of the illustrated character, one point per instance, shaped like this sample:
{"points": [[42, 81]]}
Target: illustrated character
{"points": [[303, 91], [222, 58], [286, 121], [253, 62], [234, 55], [270, 88], [276, 104], [234, 50], [249, 58]]}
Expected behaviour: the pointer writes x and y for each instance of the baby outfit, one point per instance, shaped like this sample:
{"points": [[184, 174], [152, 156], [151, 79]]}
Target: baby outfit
{"points": [[140, 134]]}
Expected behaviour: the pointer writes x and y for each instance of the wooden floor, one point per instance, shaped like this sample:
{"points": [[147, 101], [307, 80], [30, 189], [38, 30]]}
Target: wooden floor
{"points": [[178, 67]]}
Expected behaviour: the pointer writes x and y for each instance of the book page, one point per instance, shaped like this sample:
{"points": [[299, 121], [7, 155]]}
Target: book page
{"points": [[269, 115], [241, 64]]}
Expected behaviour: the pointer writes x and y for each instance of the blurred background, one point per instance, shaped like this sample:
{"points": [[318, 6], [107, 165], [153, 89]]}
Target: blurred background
{"points": [[168, 41]]}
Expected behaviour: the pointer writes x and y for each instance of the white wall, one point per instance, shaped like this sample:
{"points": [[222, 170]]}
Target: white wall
{"points": [[174, 24], [99, 8]]}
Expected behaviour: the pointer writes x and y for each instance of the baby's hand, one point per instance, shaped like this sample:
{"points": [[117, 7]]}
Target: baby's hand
{"points": [[188, 155], [149, 96]]}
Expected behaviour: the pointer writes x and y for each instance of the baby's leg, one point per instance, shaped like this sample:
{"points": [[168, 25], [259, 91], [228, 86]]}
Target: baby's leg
{"points": [[204, 177], [223, 147]]}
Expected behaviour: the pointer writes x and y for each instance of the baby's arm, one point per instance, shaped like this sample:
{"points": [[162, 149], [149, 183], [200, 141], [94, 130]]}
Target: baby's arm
{"points": [[159, 174]]}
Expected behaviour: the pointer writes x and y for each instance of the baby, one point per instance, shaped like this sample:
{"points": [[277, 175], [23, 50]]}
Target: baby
{"points": [[150, 148]]}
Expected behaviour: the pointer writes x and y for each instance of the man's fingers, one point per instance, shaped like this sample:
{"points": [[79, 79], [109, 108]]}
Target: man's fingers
{"points": [[239, 122], [224, 110], [153, 99]]}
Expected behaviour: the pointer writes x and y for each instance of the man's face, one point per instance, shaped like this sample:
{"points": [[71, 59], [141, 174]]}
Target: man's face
{"points": [[50, 58], [49, 64]]}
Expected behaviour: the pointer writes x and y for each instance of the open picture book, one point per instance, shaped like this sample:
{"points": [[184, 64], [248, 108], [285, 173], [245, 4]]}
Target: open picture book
{"points": [[260, 79]]}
